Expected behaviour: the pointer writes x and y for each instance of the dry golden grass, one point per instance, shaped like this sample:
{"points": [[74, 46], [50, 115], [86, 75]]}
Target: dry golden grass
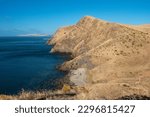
{"points": [[114, 54]]}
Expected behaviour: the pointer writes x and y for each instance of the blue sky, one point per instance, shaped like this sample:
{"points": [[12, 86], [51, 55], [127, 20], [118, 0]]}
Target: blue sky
{"points": [[45, 16]]}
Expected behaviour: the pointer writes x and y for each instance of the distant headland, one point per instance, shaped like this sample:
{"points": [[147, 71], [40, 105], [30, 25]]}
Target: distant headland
{"points": [[33, 35]]}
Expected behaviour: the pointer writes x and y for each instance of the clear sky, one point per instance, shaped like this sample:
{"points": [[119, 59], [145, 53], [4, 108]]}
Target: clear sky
{"points": [[45, 16]]}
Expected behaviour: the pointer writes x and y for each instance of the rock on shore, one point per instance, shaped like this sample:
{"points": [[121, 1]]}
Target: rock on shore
{"points": [[110, 60]]}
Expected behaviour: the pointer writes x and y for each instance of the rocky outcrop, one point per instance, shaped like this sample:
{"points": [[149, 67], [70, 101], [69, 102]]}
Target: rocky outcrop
{"points": [[111, 60]]}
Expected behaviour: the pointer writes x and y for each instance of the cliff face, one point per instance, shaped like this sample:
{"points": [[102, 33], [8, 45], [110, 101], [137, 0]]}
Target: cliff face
{"points": [[110, 60]]}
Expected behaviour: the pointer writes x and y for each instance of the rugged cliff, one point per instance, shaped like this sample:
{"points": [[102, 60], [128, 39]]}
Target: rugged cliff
{"points": [[110, 60]]}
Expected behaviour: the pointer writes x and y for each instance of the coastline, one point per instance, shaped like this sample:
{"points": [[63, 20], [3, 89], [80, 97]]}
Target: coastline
{"points": [[97, 67], [49, 82], [107, 61]]}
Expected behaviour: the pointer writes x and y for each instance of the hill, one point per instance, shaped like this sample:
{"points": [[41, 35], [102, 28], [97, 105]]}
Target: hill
{"points": [[110, 60]]}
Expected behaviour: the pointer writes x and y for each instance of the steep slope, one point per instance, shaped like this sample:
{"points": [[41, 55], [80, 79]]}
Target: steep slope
{"points": [[110, 60]]}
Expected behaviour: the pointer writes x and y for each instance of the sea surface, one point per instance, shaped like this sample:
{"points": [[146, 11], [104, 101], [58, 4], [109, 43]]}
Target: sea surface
{"points": [[26, 63]]}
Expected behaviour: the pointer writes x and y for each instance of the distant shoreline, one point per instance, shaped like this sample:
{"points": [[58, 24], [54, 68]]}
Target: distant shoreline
{"points": [[33, 35], [24, 36]]}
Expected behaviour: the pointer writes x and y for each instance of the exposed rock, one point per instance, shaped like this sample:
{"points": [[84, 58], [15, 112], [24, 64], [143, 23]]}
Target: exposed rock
{"points": [[116, 57], [134, 97], [79, 76]]}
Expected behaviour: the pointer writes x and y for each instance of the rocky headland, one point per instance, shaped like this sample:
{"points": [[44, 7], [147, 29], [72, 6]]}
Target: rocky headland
{"points": [[109, 60]]}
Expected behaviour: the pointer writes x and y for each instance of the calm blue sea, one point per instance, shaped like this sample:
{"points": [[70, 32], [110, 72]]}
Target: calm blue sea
{"points": [[25, 63]]}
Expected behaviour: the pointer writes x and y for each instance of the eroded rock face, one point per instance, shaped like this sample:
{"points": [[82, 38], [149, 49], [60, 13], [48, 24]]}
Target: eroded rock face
{"points": [[79, 76], [116, 57]]}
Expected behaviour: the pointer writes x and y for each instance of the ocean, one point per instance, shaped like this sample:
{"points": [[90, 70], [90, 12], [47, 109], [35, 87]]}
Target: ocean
{"points": [[26, 63]]}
